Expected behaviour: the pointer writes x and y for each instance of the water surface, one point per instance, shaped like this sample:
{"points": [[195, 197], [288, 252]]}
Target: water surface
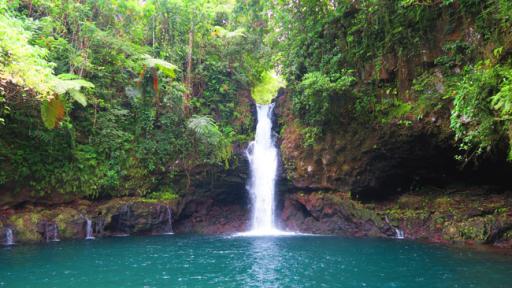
{"points": [[299, 261]]}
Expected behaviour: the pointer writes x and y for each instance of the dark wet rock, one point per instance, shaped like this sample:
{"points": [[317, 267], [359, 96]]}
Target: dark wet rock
{"points": [[448, 216], [133, 216], [464, 216], [68, 221], [48, 230], [332, 213], [373, 163], [207, 216]]}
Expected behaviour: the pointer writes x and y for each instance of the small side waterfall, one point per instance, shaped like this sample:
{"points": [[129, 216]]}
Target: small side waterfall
{"points": [[89, 234], [9, 237], [263, 159], [399, 234], [55, 233], [169, 221], [51, 232]]}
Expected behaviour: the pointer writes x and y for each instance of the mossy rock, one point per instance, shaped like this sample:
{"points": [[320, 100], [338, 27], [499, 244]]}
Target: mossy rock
{"points": [[476, 229], [25, 226], [410, 202], [507, 236], [70, 223], [443, 202]]}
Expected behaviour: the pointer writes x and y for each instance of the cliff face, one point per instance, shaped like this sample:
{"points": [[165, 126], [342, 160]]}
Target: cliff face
{"points": [[370, 181], [370, 162], [392, 151], [409, 158]]}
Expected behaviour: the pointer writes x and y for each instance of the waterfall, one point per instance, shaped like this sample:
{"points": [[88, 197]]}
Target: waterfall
{"points": [[169, 221], [89, 235], [263, 158], [55, 233], [399, 234], [51, 232], [9, 237]]}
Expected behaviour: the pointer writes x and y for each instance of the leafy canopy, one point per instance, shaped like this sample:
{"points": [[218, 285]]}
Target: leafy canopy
{"points": [[267, 88]]}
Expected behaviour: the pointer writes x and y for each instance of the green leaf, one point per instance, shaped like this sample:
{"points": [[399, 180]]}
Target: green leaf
{"points": [[67, 76], [52, 112], [226, 34], [79, 97], [67, 82], [205, 128], [162, 65]]}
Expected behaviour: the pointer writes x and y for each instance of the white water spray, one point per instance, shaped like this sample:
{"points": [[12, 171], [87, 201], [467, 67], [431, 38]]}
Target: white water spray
{"points": [[169, 221], [88, 229], [399, 234], [263, 158], [9, 237], [51, 232]]}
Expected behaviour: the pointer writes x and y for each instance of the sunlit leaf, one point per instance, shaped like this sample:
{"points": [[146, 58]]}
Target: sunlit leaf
{"points": [[226, 34], [79, 97], [65, 84], [266, 90], [52, 112], [162, 65]]}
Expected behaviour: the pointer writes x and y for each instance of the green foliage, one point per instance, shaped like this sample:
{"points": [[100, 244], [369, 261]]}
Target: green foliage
{"points": [[502, 101], [52, 112], [429, 91], [225, 34], [343, 61], [129, 135], [205, 129], [266, 90], [164, 195], [392, 109], [400, 75], [481, 113], [164, 66], [317, 93], [310, 135], [456, 54], [22, 63]]}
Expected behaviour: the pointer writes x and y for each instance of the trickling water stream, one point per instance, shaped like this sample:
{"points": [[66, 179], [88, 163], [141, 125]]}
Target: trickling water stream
{"points": [[88, 229], [9, 237], [169, 221], [399, 234], [51, 232]]}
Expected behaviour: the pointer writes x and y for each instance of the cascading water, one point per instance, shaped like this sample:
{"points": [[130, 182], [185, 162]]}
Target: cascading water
{"points": [[9, 237], [263, 158], [169, 221], [51, 232], [89, 235], [399, 234]]}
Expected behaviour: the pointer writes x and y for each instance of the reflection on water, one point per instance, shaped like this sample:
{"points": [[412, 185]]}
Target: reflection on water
{"points": [[265, 257], [299, 261]]}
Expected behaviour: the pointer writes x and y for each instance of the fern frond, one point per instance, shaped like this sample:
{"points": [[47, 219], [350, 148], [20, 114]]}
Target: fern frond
{"points": [[205, 128], [162, 65]]}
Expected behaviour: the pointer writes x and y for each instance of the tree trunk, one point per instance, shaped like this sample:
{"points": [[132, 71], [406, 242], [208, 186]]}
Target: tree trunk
{"points": [[188, 79]]}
